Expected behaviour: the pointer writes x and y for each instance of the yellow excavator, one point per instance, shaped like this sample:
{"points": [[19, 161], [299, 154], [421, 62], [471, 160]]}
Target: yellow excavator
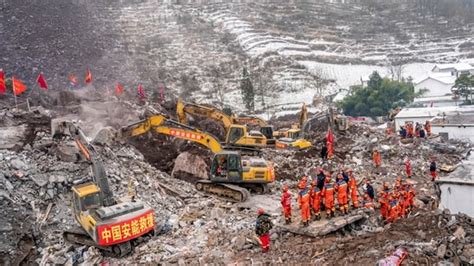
{"points": [[236, 134], [293, 138], [230, 175], [107, 224]]}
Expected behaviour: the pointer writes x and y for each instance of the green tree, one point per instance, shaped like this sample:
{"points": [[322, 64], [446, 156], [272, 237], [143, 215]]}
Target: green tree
{"points": [[464, 86], [378, 97], [248, 94]]}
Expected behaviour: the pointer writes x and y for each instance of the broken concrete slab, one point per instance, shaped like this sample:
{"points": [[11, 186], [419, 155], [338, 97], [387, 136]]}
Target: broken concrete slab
{"points": [[41, 179], [322, 227], [19, 164], [12, 136], [105, 136], [67, 152]]}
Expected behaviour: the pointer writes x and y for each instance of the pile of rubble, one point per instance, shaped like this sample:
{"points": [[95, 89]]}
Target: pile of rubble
{"points": [[38, 173]]}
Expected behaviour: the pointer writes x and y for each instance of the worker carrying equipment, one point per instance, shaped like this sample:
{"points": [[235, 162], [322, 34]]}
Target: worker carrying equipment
{"points": [[341, 188], [263, 226], [106, 224], [286, 204]]}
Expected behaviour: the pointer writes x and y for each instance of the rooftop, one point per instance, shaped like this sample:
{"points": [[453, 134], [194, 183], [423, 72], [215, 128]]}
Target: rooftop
{"points": [[433, 111], [442, 77], [462, 175], [457, 66], [456, 118]]}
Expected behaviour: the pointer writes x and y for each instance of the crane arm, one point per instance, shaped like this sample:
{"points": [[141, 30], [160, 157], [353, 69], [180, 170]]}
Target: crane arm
{"points": [[303, 115], [99, 175], [161, 125], [200, 110], [250, 120]]}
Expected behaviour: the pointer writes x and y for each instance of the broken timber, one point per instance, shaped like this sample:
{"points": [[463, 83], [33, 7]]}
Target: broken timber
{"points": [[322, 227]]}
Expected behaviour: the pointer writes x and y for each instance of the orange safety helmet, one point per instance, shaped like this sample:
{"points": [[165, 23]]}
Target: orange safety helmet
{"points": [[260, 211]]}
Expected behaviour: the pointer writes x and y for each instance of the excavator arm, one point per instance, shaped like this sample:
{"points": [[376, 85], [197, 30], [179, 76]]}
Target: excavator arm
{"points": [[99, 175], [200, 110], [250, 120], [162, 125]]}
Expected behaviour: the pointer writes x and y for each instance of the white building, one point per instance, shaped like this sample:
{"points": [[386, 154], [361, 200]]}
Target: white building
{"points": [[456, 125], [436, 84], [457, 190], [436, 101], [421, 115], [455, 70]]}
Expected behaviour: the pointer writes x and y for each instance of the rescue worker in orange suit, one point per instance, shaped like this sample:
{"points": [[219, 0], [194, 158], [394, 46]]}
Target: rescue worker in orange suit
{"points": [[384, 201], [394, 213], [377, 158], [410, 130], [408, 167], [286, 204], [410, 197], [428, 128], [316, 199], [328, 195], [341, 188], [304, 198], [263, 226], [433, 170], [353, 189]]}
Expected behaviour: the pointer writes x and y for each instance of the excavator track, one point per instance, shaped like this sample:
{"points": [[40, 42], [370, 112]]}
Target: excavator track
{"points": [[80, 237], [231, 192]]}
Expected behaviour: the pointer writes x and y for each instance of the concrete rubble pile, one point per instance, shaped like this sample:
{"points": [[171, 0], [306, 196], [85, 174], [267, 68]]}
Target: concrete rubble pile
{"points": [[193, 227]]}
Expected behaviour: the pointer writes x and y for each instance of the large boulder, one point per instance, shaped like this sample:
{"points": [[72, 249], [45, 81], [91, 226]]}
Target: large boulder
{"points": [[105, 136], [189, 167]]}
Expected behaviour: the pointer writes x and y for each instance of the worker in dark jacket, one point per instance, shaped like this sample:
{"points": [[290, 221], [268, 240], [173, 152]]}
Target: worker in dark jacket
{"points": [[369, 190], [324, 152], [262, 229], [433, 170]]}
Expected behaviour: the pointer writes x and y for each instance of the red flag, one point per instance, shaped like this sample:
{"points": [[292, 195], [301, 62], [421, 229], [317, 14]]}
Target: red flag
{"points": [[72, 78], [18, 86], [88, 76], [140, 91], [162, 93], [42, 82], [118, 89], [330, 143], [3, 89]]}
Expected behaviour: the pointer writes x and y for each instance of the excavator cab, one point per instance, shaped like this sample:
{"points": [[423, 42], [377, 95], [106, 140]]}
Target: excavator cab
{"points": [[267, 131], [238, 135], [226, 167]]}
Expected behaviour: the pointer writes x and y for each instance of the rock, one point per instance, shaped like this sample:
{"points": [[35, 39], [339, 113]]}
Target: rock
{"points": [[19, 164], [238, 242], [40, 179], [105, 136], [50, 193], [5, 181], [67, 153], [189, 166], [421, 234], [57, 179], [12, 136], [459, 233], [441, 251], [216, 213]]}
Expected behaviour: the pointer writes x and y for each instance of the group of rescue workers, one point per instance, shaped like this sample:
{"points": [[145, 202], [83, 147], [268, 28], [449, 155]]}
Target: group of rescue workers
{"points": [[418, 130], [322, 194]]}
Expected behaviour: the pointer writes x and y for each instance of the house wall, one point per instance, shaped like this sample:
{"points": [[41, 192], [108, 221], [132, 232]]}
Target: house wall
{"points": [[458, 198], [435, 88], [455, 132]]}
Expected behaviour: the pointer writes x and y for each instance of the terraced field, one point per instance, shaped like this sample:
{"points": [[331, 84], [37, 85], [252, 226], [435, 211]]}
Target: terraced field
{"points": [[197, 49]]}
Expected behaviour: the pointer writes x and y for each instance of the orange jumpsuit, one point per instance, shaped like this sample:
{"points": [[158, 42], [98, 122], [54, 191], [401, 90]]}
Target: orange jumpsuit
{"points": [[410, 130], [286, 205], [408, 168], [304, 202], [384, 204], [394, 211], [368, 203], [354, 193], [328, 195], [341, 187], [377, 158], [316, 201], [428, 128]]}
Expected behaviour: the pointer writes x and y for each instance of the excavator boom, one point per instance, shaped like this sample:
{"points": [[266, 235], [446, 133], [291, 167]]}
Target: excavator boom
{"points": [[161, 125], [87, 149]]}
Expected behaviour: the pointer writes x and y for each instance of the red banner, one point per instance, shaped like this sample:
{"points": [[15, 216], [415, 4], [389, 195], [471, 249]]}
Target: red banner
{"points": [[112, 234]]}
